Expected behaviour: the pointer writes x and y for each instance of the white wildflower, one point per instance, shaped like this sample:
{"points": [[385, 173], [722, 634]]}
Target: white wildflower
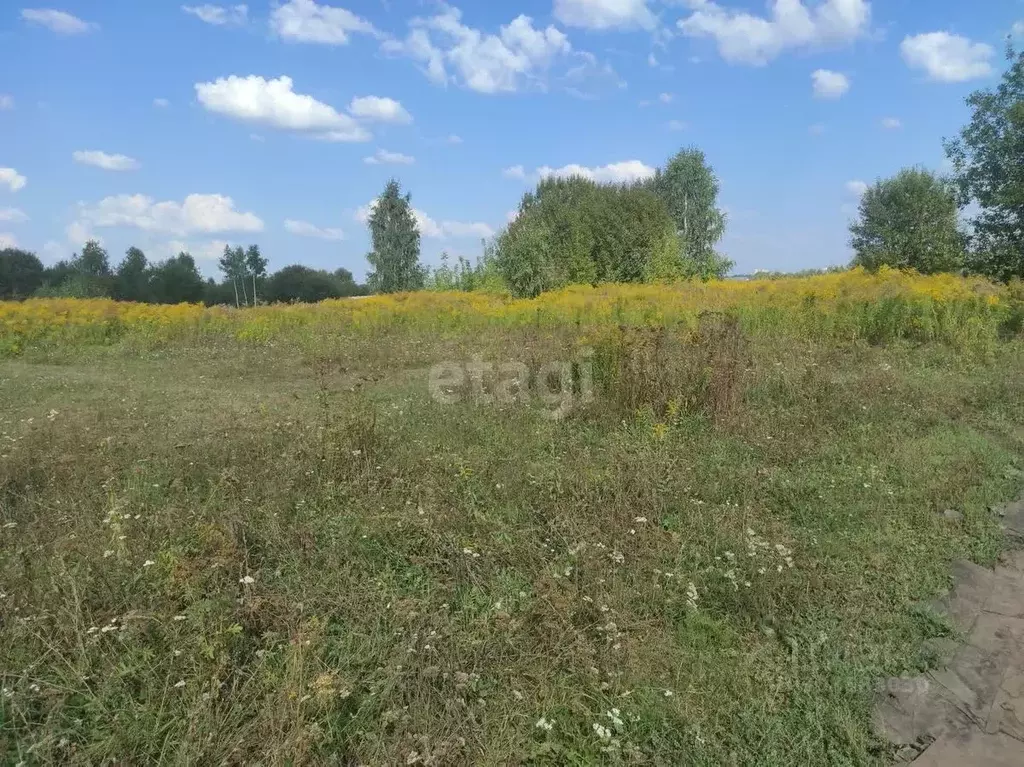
{"points": [[247, 580], [148, 563], [615, 717], [691, 595], [545, 724], [179, 684], [602, 732]]}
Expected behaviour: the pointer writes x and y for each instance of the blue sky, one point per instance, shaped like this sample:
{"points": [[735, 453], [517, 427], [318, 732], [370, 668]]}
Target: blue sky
{"points": [[171, 126]]}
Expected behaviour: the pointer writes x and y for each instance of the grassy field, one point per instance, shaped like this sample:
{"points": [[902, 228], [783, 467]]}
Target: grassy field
{"points": [[271, 538]]}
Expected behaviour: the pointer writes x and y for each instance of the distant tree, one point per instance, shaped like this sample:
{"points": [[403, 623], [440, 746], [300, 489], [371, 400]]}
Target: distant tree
{"points": [[347, 286], [988, 164], [395, 257], [177, 280], [131, 281], [689, 188], [300, 283], [232, 263], [92, 261], [908, 221], [21, 273], [256, 265]]}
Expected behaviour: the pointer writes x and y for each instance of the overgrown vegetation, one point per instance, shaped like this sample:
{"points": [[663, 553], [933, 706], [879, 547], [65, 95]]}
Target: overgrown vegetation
{"points": [[255, 536]]}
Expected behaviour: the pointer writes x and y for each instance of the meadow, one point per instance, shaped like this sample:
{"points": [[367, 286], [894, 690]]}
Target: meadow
{"points": [[263, 536]]}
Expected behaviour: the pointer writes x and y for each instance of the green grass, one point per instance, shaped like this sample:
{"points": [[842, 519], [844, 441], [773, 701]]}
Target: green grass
{"points": [[429, 581]]}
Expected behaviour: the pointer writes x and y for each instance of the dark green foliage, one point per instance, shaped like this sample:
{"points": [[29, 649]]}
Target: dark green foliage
{"points": [[908, 221], [21, 273], [395, 258], [988, 161], [300, 283], [573, 231], [177, 280], [131, 281]]}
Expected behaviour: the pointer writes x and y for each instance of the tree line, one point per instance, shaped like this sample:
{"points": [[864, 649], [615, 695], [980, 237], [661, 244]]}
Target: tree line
{"points": [[89, 274], [578, 231]]}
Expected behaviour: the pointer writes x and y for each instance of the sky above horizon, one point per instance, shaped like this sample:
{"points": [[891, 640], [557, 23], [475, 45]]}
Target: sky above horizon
{"points": [[174, 126]]}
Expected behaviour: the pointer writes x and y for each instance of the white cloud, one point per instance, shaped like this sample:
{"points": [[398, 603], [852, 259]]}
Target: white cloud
{"points": [[676, 125], [516, 171], [616, 173], [605, 14], [454, 140], [892, 123], [829, 84], [7, 240], [856, 188], [13, 215], [379, 109], [197, 214], [652, 60], [57, 21], [432, 229], [161, 103], [6, 102], [305, 21], [274, 103], [219, 15], [305, 229], [105, 161], [13, 180], [519, 55], [384, 157], [947, 58], [665, 98], [744, 38], [1017, 30], [209, 251]]}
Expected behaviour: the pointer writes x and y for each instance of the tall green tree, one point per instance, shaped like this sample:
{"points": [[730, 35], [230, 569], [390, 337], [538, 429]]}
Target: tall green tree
{"points": [[177, 280], [131, 281], [689, 188], [908, 221], [256, 265], [988, 163], [21, 273], [395, 258], [232, 263]]}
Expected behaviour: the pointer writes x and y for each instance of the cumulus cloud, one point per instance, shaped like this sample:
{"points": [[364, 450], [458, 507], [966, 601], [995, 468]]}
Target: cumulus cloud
{"points": [[449, 51], [275, 104], [745, 38], [13, 180], [515, 171], [617, 173], [384, 157], [12, 215], [197, 214], [432, 229], [305, 21], [6, 102], [379, 109], [856, 188], [829, 84], [97, 159], [947, 58], [60, 22], [305, 229], [7, 240], [219, 15], [605, 14], [454, 140], [892, 123]]}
